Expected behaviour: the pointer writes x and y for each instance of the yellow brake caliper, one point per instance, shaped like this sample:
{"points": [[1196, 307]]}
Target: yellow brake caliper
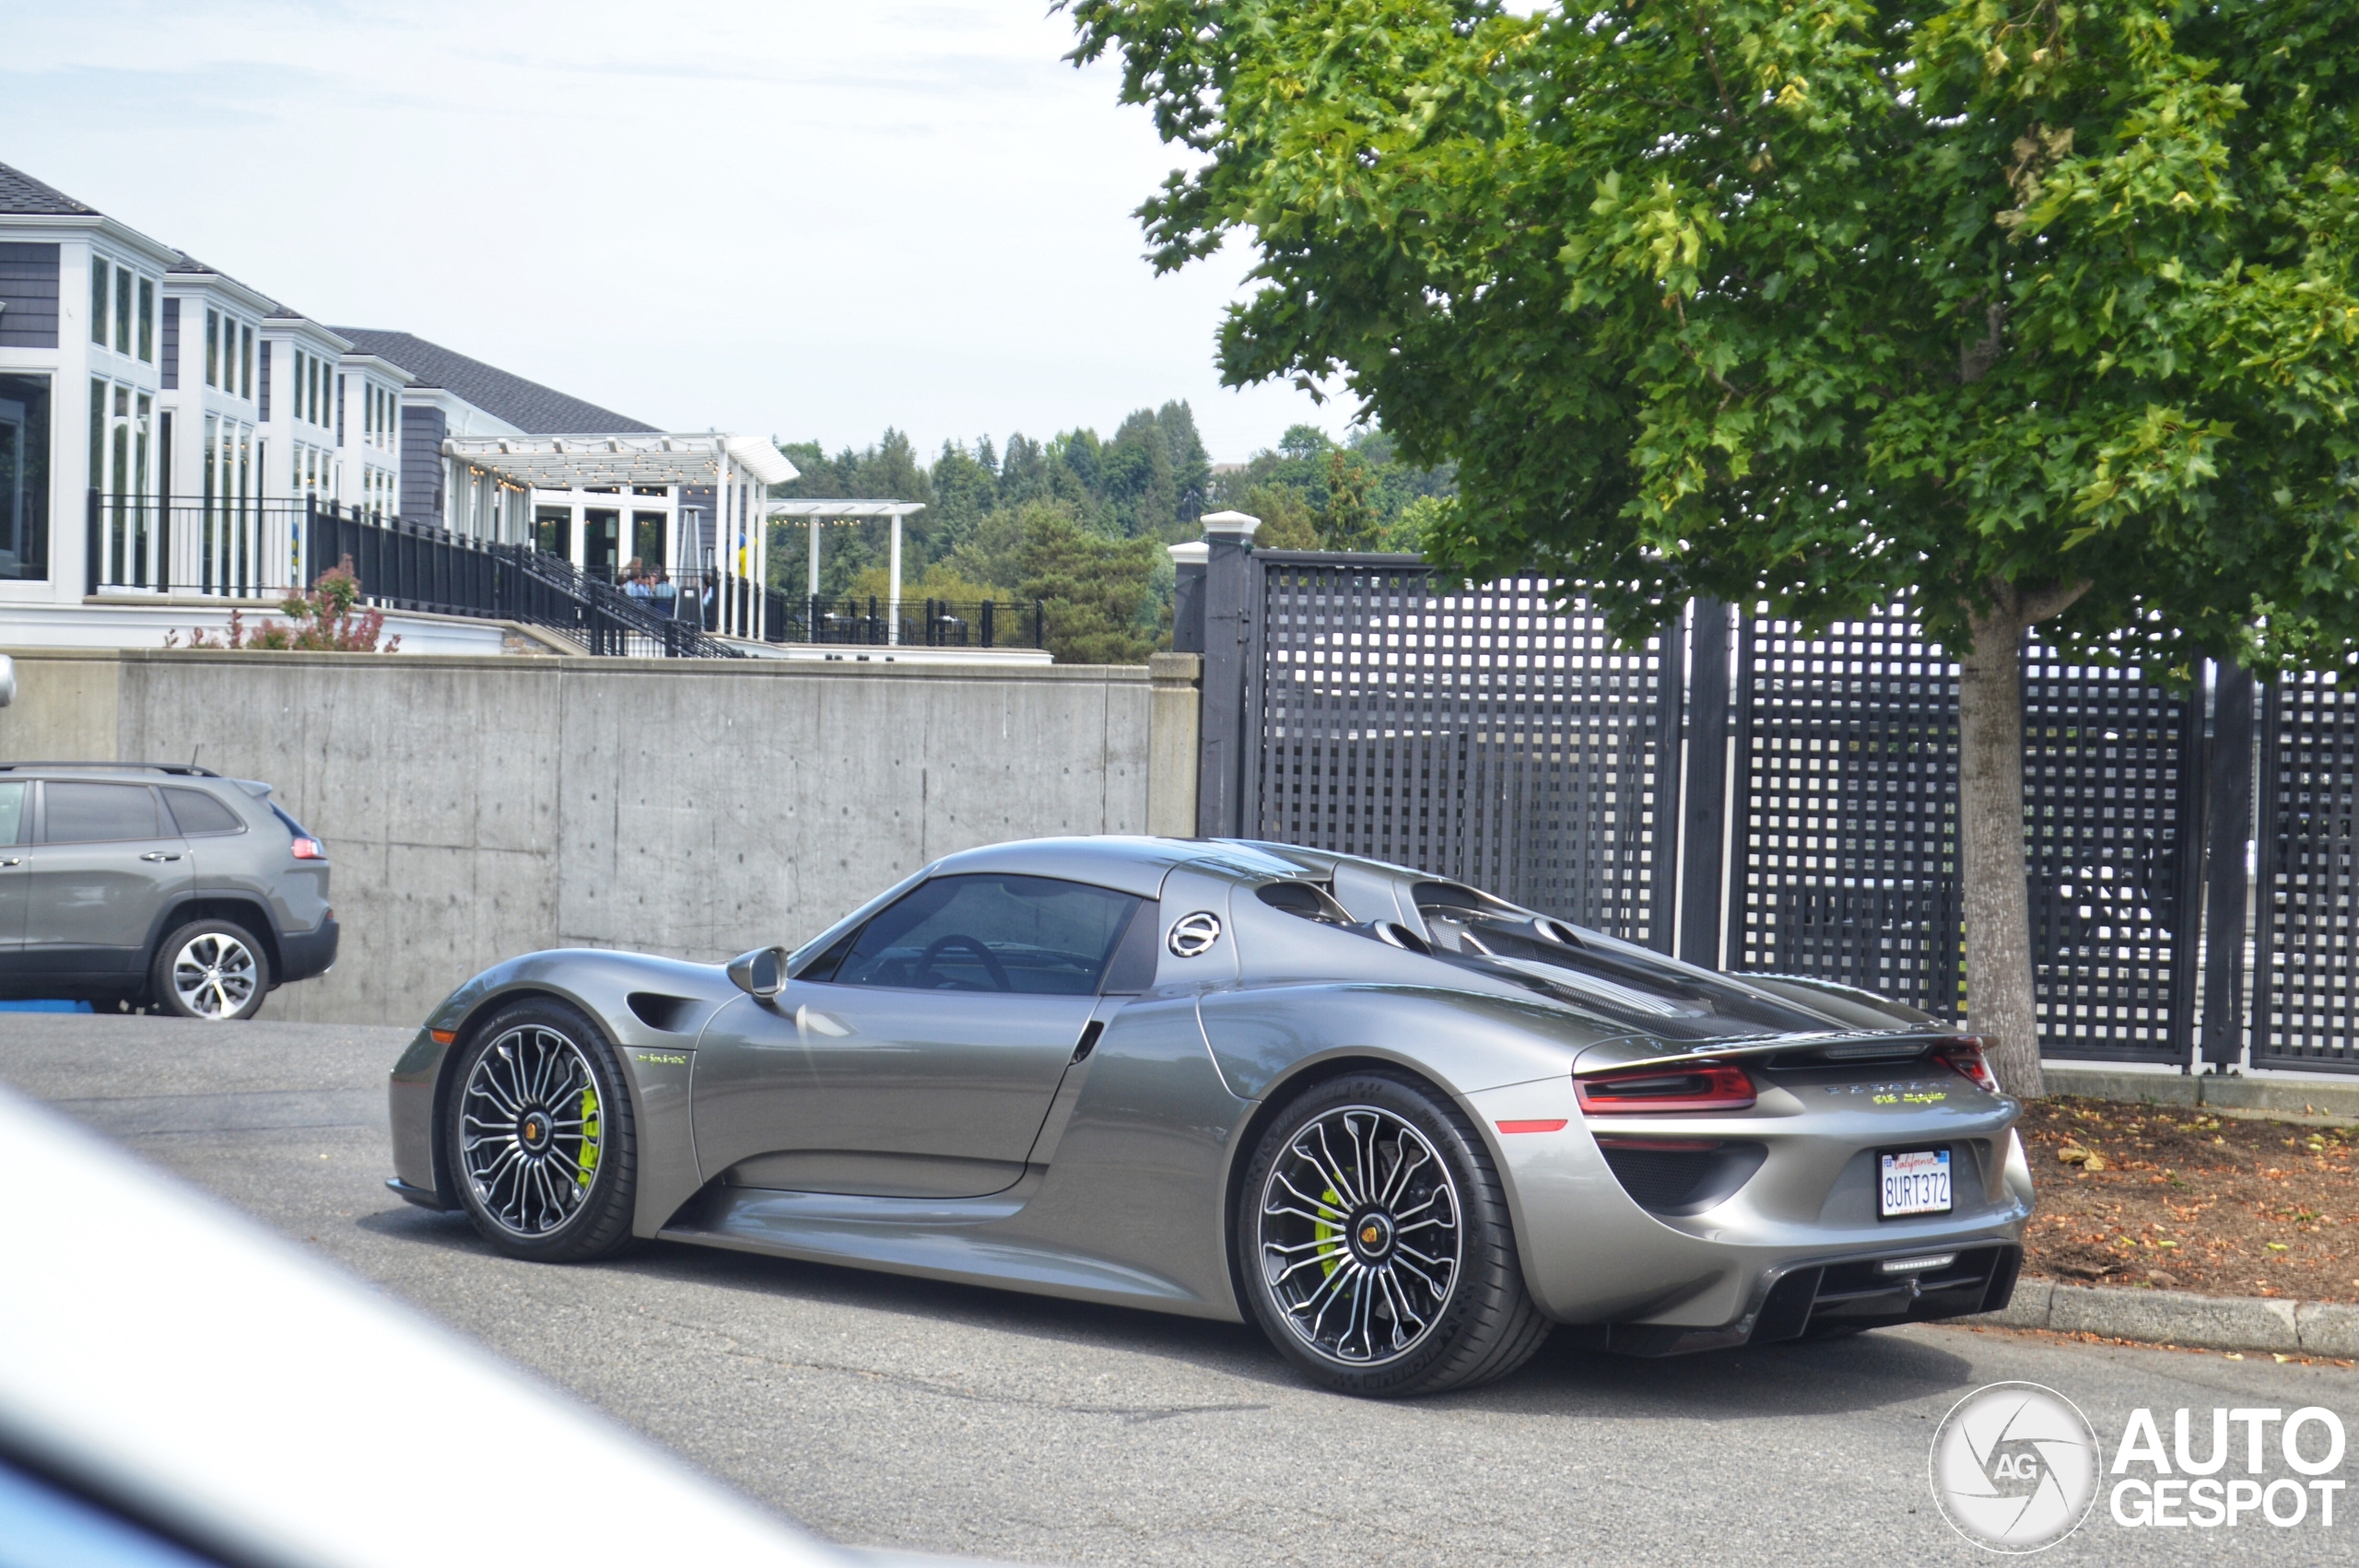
{"points": [[585, 1158], [1322, 1232]]}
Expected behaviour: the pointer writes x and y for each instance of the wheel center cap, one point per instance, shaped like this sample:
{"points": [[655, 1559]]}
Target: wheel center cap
{"points": [[1372, 1235], [533, 1131]]}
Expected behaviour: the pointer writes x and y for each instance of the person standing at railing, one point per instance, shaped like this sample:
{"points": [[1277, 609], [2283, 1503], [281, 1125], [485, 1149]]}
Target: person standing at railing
{"points": [[667, 598], [635, 581]]}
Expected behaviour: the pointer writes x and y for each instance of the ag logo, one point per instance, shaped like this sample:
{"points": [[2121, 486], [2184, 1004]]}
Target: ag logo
{"points": [[1193, 935], [2015, 1467]]}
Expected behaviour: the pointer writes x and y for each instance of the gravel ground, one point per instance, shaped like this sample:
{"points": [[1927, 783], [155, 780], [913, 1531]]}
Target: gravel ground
{"points": [[2171, 1196]]}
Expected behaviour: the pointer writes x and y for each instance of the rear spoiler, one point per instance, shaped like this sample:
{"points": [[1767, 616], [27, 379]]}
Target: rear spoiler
{"points": [[1841, 1047]]}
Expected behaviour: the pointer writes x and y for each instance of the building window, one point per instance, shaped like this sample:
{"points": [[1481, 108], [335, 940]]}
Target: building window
{"points": [[212, 348], [120, 422], [123, 295], [246, 363], [148, 321], [99, 271], [24, 477]]}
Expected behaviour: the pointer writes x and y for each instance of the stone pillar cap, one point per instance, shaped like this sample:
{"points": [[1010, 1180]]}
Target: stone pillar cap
{"points": [[1194, 553], [1235, 526]]}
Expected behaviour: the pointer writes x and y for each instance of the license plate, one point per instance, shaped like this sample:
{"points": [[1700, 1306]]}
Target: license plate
{"points": [[1917, 1182]]}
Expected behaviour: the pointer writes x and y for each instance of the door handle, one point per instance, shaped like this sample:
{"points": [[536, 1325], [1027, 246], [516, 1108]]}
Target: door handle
{"points": [[157, 855], [11, 860]]}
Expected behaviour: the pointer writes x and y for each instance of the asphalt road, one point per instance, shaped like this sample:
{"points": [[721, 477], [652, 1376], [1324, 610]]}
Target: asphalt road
{"points": [[884, 1412]]}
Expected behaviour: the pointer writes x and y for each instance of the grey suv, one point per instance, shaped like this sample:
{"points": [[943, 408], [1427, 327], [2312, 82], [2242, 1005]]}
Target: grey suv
{"points": [[156, 883]]}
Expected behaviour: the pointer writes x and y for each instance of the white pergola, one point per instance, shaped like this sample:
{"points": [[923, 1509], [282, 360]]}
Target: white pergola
{"points": [[820, 512], [740, 469]]}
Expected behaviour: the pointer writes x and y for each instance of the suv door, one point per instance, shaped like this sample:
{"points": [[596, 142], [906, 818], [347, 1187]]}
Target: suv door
{"points": [[106, 865], [924, 1063], [16, 827]]}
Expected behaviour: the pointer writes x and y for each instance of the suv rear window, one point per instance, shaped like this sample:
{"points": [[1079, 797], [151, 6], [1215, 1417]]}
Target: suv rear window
{"points": [[95, 814], [198, 813]]}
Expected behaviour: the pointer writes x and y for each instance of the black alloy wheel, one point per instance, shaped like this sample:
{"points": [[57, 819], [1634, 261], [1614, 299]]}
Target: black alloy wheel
{"points": [[1375, 1244], [540, 1135]]}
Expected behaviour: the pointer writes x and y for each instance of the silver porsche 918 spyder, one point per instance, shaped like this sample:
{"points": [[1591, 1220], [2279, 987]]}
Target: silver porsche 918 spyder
{"points": [[1404, 1126]]}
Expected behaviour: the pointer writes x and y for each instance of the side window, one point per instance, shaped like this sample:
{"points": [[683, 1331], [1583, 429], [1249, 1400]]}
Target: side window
{"points": [[95, 814], [1132, 969], [1027, 934], [12, 812], [198, 813]]}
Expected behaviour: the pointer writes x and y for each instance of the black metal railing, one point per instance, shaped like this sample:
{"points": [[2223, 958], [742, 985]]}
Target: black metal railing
{"points": [[551, 591], [922, 623], [267, 551], [270, 551], [229, 547]]}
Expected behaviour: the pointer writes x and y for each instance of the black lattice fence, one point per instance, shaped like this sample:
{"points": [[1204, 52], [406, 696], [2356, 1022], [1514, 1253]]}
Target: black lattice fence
{"points": [[2111, 770], [1487, 736], [1479, 734], [1846, 820], [2304, 1013], [1847, 845]]}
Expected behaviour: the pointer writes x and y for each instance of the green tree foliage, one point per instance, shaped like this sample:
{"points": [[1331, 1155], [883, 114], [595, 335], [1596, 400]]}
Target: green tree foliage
{"points": [[1094, 592], [2038, 313], [1379, 488], [1347, 521], [1287, 521], [1145, 487]]}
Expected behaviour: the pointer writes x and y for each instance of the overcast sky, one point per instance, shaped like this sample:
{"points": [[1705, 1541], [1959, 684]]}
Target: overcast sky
{"points": [[785, 216]]}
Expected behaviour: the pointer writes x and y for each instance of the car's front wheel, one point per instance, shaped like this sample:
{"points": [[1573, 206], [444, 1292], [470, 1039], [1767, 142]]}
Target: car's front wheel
{"points": [[1376, 1243], [211, 969], [540, 1135]]}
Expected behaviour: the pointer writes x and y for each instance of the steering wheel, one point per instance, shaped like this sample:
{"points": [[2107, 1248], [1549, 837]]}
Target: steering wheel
{"points": [[989, 960]]}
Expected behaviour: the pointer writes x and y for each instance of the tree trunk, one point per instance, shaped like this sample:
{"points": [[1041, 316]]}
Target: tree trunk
{"points": [[1991, 841]]}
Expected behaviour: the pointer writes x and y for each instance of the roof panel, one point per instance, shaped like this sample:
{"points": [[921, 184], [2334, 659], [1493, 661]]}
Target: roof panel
{"points": [[533, 408], [20, 192]]}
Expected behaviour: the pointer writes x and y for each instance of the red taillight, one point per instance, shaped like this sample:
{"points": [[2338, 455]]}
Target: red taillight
{"points": [[1964, 1057], [311, 849], [1667, 1091]]}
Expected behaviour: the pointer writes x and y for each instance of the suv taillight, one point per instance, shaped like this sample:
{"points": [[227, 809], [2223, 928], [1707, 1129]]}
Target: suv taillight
{"points": [[1964, 1056], [1659, 1090], [311, 849]]}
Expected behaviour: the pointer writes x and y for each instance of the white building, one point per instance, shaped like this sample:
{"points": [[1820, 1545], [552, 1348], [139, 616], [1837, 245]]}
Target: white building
{"points": [[213, 411], [220, 419]]}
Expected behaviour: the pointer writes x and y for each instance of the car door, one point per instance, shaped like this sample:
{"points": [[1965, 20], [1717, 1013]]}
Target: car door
{"points": [[16, 827], [104, 867], [921, 1057]]}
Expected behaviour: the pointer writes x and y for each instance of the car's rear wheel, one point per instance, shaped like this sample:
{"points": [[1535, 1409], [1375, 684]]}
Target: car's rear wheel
{"points": [[211, 969], [540, 1135], [1376, 1243]]}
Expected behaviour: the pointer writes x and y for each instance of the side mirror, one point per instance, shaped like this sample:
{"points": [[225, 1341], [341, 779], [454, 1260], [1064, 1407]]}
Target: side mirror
{"points": [[759, 973]]}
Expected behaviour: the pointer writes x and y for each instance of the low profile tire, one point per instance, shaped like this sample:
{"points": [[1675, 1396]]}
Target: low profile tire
{"points": [[210, 969], [540, 1135], [1376, 1246]]}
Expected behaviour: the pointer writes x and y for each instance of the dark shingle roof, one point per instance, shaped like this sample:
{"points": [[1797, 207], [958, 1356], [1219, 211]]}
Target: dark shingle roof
{"points": [[533, 408], [20, 191]]}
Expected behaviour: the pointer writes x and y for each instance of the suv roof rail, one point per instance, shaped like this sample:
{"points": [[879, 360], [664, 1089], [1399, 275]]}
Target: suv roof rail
{"points": [[184, 770]]}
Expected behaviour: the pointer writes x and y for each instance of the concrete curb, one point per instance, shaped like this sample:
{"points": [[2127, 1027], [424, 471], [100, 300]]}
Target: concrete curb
{"points": [[2181, 1317], [2297, 1098]]}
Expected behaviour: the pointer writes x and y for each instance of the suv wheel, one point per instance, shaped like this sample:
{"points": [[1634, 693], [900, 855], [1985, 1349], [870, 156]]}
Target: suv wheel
{"points": [[211, 969]]}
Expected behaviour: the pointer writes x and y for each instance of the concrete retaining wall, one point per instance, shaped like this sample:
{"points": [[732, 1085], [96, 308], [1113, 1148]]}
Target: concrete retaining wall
{"points": [[475, 808]]}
